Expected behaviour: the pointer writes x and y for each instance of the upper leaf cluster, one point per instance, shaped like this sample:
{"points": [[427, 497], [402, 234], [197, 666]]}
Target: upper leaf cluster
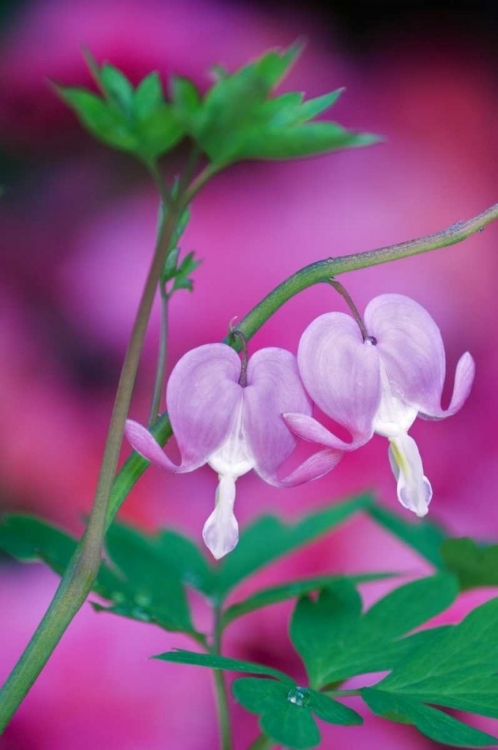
{"points": [[237, 119]]}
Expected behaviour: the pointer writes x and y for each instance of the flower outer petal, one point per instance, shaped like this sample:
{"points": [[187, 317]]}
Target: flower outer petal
{"points": [[313, 431], [464, 377], [144, 443], [341, 373], [410, 345], [316, 466], [414, 489], [221, 530], [273, 387], [202, 396]]}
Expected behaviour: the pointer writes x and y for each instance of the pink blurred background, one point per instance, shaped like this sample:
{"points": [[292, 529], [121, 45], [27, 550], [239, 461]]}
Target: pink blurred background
{"points": [[77, 228]]}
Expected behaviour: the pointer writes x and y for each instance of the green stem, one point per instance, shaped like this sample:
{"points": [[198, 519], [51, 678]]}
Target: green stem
{"points": [[207, 173], [261, 743], [220, 684], [324, 270], [82, 570], [161, 360]]}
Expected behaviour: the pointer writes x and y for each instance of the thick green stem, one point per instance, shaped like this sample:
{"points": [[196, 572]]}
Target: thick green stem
{"points": [[220, 685], [82, 570]]}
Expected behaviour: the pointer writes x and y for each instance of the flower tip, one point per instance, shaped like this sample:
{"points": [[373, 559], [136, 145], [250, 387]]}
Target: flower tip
{"points": [[220, 541]]}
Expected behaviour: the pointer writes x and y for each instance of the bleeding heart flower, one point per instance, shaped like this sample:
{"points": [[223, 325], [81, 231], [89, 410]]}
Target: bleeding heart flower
{"points": [[380, 384], [231, 419]]}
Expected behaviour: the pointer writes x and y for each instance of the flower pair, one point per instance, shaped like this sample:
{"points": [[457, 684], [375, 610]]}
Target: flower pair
{"points": [[379, 383]]}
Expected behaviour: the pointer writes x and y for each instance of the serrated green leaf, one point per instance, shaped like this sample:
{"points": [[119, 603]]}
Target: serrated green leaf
{"points": [[274, 65], [117, 88], [180, 555], [182, 278], [336, 642], [27, 538], [157, 589], [269, 538], [319, 628], [186, 102], [148, 96], [457, 669], [329, 710], [159, 132], [180, 656], [314, 107], [424, 536], [299, 141], [474, 565], [106, 124], [411, 605], [275, 594], [435, 724]]}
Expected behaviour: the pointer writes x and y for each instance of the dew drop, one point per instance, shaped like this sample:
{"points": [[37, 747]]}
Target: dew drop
{"points": [[372, 340], [481, 229], [300, 696], [118, 597]]}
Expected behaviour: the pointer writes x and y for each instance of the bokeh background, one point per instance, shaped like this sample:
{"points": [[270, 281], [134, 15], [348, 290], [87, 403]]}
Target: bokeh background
{"points": [[77, 226]]}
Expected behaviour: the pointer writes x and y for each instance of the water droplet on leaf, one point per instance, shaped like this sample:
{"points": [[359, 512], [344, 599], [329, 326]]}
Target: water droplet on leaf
{"points": [[300, 696]]}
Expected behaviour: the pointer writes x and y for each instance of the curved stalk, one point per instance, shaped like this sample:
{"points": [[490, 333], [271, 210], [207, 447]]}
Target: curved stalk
{"points": [[324, 270]]}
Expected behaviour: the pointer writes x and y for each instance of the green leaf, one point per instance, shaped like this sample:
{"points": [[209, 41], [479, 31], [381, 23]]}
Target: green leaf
{"points": [[425, 537], [281, 720], [474, 565], [136, 121], [433, 723], [336, 641], [117, 88], [185, 560], [286, 716], [275, 143], [158, 133], [146, 579], [457, 669], [148, 96], [238, 120], [329, 710], [186, 101], [27, 539], [106, 124], [275, 594], [269, 538], [157, 588], [212, 661]]}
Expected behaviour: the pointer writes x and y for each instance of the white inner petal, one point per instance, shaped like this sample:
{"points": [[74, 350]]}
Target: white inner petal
{"points": [[394, 416], [221, 531], [233, 458], [414, 489]]}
